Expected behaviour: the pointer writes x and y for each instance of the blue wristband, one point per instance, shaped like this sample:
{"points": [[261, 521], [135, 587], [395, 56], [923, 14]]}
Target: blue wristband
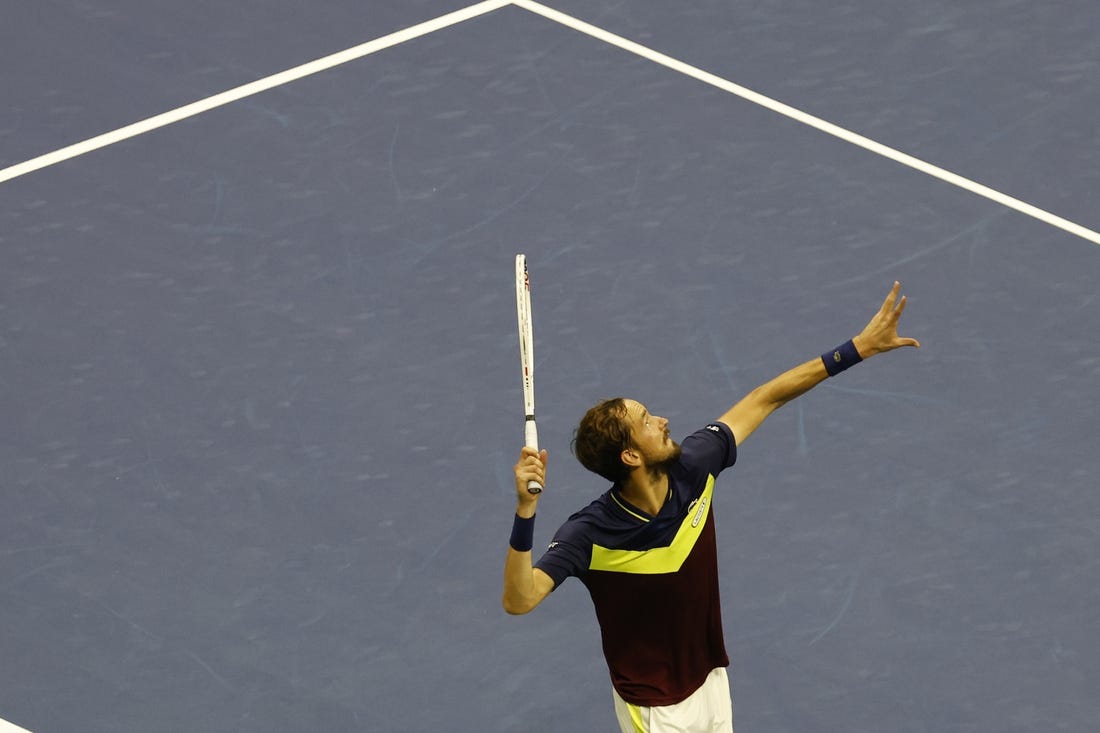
{"points": [[841, 358], [523, 534]]}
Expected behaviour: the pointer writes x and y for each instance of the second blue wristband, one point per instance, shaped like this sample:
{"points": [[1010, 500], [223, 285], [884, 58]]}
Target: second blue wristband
{"points": [[844, 356]]}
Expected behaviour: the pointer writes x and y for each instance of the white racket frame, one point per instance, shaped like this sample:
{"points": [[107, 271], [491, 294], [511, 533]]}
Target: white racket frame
{"points": [[527, 359]]}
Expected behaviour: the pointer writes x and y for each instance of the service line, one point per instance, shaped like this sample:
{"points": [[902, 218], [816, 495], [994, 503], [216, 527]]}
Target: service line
{"points": [[807, 119], [6, 727]]}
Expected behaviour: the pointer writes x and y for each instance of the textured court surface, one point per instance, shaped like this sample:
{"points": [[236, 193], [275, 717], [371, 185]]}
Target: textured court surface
{"points": [[259, 394]]}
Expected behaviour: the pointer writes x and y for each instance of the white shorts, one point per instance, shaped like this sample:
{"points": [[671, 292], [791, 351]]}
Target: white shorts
{"points": [[708, 710]]}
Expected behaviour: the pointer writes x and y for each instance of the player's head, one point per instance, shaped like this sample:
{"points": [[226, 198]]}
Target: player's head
{"points": [[619, 435], [601, 437]]}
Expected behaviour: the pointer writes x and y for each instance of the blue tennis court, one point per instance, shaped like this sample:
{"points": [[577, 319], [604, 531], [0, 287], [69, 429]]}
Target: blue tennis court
{"points": [[259, 380]]}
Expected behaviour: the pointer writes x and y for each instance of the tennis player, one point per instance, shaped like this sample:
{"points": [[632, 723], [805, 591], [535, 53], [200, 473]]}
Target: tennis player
{"points": [[645, 549]]}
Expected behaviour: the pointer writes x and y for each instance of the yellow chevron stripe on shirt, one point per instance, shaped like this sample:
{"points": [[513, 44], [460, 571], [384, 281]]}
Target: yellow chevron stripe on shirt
{"points": [[659, 559]]}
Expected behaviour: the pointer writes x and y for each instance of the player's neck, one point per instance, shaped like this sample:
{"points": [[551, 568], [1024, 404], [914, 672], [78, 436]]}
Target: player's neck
{"points": [[647, 489]]}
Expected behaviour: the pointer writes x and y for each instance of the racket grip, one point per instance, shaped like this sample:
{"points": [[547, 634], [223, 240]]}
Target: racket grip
{"points": [[531, 439]]}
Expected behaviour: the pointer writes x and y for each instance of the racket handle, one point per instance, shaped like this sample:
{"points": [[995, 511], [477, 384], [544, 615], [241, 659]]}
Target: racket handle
{"points": [[531, 438]]}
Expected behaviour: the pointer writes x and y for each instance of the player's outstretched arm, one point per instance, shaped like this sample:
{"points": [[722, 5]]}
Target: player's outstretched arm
{"points": [[878, 336], [525, 585]]}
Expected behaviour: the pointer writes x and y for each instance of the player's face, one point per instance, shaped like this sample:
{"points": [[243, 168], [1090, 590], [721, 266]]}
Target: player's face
{"points": [[651, 435]]}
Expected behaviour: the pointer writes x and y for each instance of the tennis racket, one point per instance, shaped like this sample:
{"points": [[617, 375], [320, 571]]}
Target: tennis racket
{"points": [[527, 359]]}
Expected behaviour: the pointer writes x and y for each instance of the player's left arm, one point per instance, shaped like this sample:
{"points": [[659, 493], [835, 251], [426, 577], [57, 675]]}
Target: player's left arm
{"points": [[878, 336]]}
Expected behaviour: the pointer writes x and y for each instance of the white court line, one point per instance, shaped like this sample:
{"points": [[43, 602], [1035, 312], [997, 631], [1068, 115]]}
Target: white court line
{"points": [[569, 21], [247, 90], [807, 119], [6, 727]]}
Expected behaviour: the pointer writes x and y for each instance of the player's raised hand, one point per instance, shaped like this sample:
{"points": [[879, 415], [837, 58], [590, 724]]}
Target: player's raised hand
{"points": [[531, 466], [881, 332]]}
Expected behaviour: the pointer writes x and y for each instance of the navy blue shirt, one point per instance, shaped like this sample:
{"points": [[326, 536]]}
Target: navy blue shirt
{"points": [[654, 579]]}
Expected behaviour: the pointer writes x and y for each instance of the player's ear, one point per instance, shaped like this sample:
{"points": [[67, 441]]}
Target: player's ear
{"points": [[631, 458]]}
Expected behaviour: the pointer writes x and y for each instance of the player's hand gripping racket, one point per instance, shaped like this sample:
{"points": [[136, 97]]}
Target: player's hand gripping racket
{"points": [[527, 359]]}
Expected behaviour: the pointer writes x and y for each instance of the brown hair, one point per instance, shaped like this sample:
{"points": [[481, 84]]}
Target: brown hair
{"points": [[601, 437]]}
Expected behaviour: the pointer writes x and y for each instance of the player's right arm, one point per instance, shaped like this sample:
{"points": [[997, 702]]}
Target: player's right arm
{"points": [[525, 585]]}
